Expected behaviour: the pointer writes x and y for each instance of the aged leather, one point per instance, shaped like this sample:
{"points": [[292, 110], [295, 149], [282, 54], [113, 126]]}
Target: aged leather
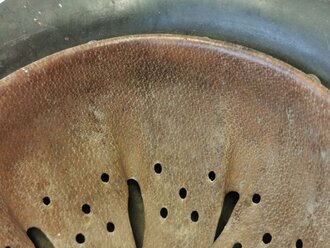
{"points": [[194, 105]]}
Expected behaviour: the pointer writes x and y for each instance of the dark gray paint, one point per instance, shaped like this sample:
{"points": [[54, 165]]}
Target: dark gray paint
{"points": [[295, 31]]}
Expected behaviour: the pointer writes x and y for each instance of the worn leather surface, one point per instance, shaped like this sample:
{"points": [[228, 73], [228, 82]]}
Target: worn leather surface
{"points": [[194, 105], [295, 31]]}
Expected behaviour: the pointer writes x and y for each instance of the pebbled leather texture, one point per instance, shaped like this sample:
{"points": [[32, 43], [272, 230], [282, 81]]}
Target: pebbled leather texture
{"points": [[194, 105], [295, 31]]}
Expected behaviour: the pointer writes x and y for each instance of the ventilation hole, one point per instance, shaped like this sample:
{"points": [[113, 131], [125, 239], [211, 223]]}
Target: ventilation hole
{"points": [[110, 227], [229, 204], [136, 211], [46, 200], [38, 238], [163, 212], [183, 193], [299, 243], [86, 208], [256, 198], [212, 175], [267, 238], [105, 177], [194, 216], [80, 238], [158, 168], [237, 245]]}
